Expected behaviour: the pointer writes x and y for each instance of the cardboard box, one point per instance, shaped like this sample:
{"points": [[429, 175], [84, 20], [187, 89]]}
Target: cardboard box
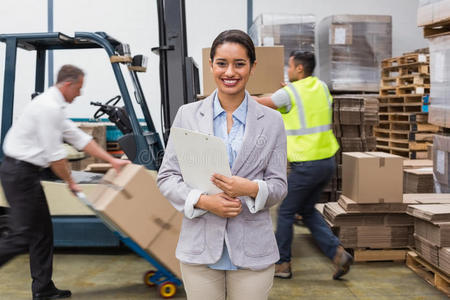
{"points": [[133, 204], [98, 132], [268, 73], [441, 159], [372, 177]]}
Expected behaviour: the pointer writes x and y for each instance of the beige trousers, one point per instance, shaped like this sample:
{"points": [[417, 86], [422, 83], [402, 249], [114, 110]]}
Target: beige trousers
{"points": [[203, 283]]}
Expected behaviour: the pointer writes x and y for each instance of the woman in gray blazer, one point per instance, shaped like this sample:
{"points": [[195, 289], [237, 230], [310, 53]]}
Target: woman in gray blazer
{"points": [[227, 248]]}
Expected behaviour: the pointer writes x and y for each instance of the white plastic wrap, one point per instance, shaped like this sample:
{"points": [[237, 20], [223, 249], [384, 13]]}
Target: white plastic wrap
{"points": [[432, 11], [440, 81], [351, 48], [293, 31]]}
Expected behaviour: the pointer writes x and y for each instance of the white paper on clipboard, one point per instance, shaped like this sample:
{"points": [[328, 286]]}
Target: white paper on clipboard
{"points": [[200, 156]]}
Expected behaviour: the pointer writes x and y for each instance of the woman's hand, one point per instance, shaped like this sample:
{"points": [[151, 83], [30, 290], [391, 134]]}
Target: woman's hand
{"points": [[220, 205], [235, 186]]}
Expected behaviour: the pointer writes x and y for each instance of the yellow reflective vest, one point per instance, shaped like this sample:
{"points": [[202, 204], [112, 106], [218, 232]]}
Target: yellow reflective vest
{"points": [[309, 121]]}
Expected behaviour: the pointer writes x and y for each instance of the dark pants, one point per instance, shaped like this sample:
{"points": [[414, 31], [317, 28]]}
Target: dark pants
{"points": [[306, 182], [29, 221]]}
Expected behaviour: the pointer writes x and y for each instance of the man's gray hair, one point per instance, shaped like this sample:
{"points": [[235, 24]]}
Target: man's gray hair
{"points": [[69, 73]]}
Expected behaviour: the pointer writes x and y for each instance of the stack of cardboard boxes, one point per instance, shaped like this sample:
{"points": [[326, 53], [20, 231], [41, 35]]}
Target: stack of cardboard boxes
{"points": [[371, 212], [432, 233], [418, 176]]}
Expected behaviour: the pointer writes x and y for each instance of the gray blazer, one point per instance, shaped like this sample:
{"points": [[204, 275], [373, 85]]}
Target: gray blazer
{"points": [[249, 236]]}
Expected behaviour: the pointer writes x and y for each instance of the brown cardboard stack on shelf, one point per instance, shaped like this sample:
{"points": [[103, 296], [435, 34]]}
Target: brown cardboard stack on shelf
{"points": [[432, 234], [353, 121], [351, 48], [404, 101], [123, 202], [354, 116]]}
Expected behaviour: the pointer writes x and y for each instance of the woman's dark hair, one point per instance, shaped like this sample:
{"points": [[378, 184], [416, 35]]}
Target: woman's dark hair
{"points": [[234, 36], [306, 59]]}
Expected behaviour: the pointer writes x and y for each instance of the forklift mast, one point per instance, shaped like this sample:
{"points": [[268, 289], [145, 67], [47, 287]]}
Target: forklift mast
{"points": [[177, 88]]}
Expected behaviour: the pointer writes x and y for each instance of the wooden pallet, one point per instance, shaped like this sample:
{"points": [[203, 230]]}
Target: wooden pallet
{"points": [[437, 29], [417, 68], [399, 99], [429, 273], [411, 154], [405, 90], [407, 127], [404, 144], [406, 58], [403, 135], [403, 117], [366, 255]]}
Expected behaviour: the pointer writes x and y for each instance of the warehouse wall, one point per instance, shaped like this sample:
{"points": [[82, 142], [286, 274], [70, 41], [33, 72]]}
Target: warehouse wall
{"points": [[136, 23]]}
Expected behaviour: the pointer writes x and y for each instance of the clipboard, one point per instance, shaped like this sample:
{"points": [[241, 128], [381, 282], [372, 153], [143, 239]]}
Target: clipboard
{"points": [[199, 157]]}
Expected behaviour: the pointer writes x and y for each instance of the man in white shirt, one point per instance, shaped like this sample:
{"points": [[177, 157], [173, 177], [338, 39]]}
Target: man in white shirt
{"points": [[35, 141]]}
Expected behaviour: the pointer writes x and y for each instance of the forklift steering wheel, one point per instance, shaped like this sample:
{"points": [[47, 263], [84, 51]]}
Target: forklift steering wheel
{"points": [[111, 102]]}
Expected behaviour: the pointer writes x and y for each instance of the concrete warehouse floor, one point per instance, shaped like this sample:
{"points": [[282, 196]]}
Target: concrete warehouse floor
{"points": [[118, 275]]}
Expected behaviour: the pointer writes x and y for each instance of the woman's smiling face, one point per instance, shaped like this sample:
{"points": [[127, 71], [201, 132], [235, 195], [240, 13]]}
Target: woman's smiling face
{"points": [[231, 68]]}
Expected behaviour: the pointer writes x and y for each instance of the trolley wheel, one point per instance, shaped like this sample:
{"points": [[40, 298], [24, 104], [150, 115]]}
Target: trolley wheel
{"points": [[147, 278], [167, 289]]}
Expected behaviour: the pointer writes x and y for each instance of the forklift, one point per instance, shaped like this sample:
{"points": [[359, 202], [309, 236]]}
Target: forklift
{"points": [[141, 143]]}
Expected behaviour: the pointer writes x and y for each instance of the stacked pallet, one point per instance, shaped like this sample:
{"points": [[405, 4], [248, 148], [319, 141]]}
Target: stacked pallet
{"points": [[432, 236], [404, 98]]}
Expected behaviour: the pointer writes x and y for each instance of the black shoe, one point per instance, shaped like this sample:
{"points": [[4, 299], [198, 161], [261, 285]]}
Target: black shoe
{"points": [[52, 294], [343, 260]]}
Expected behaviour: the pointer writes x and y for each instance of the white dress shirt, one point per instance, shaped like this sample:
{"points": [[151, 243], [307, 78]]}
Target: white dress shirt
{"points": [[37, 136]]}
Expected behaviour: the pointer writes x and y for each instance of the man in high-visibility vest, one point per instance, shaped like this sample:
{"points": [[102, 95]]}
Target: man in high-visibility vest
{"points": [[306, 106]]}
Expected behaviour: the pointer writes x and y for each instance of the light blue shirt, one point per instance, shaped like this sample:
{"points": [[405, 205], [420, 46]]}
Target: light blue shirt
{"points": [[233, 142]]}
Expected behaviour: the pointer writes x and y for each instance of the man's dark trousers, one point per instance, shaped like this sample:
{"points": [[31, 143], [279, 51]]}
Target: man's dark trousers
{"points": [[306, 182], [29, 221]]}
